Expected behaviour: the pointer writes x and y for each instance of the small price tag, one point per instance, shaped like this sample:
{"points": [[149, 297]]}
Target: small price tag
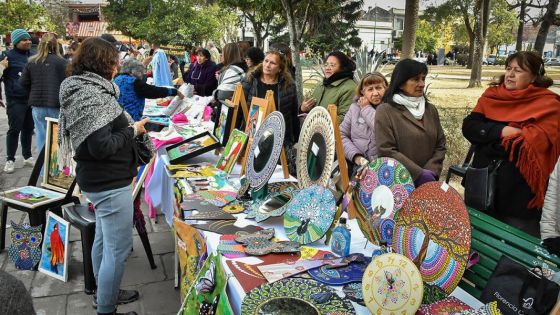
{"points": [[391, 163], [257, 152], [315, 149], [444, 186], [181, 244]]}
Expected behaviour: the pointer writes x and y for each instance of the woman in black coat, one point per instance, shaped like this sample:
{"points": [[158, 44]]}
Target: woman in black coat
{"points": [[202, 74]]}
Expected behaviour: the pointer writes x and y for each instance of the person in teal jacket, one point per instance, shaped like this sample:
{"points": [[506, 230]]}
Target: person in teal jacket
{"points": [[338, 85]]}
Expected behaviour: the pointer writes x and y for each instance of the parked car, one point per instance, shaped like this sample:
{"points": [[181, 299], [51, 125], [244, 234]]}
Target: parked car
{"points": [[552, 62], [491, 60]]}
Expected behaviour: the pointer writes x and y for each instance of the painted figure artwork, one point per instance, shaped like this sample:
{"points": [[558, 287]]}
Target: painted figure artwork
{"points": [[54, 260], [25, 251], [31, 196], [256, 117], [221, 127], [192, 147], [231, 152], [193, 170], [57, 176]]}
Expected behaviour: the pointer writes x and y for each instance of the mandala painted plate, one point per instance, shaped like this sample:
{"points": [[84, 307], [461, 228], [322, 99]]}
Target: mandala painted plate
{"points": [[380, 193], [437, 211], [341, 275], [295, 296], [392, 285], [310, 214]]}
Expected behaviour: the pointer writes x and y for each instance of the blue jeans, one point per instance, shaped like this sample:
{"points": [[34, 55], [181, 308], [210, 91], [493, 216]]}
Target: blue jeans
{"points": [[112, 244], [39, 115]]}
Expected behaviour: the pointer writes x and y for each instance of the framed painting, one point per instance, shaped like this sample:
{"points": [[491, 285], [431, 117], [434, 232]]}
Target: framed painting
{"points": [[56, 176], [222, 126], [140, 178], [192, 147], [233, 148], [31, 196], [255, 119], [54, 259]]}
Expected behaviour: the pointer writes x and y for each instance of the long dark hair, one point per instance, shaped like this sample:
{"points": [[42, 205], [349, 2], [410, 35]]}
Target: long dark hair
{"points": [[528, 61], [404, 70], [284, 71], [95, 55]]}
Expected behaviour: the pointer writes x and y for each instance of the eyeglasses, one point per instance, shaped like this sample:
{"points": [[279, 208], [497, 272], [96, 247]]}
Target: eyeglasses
{"points": [[330, 65]]}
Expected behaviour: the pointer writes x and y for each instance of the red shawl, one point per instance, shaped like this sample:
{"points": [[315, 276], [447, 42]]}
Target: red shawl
{"points": [[536, 111]]}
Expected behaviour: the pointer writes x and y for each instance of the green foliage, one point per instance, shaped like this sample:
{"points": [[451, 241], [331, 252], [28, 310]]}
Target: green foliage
{"points": [[426, 36], [165, 21], [21, 14], [502, 25]]}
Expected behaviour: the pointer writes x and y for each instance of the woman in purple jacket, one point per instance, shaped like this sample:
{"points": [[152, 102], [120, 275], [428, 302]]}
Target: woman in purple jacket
{"points": [[202, 74], [357, 129]]}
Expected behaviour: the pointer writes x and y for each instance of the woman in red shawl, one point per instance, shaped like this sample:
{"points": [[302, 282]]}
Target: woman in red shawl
{"points": [[516, 120]]}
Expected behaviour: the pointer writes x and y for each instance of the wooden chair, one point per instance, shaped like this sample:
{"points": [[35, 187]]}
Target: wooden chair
{"points": [[37, 215], [491, 239], [461, 170]]}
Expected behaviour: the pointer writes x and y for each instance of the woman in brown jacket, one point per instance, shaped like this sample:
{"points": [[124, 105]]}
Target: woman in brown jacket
{"points": [[407, 126]]}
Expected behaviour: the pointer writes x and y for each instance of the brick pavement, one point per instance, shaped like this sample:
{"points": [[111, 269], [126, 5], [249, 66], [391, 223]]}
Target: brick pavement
{"points": [[54, 297]]}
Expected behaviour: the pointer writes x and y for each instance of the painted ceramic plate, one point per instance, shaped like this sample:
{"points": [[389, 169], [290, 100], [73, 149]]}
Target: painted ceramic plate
{"points": [[260, 243], [265, 150], [435, 209], [392, 285], [314, 162], [295, 296], [380, 193], [310, 214], [353, 292], [341, 275]]}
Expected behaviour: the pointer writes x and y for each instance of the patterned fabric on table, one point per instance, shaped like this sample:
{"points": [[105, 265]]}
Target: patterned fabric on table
{"points": [[488, 309]]}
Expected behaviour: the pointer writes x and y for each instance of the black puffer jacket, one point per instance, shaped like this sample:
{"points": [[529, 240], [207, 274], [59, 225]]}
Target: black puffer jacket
{"points": [[42, 81], [286, 103]]}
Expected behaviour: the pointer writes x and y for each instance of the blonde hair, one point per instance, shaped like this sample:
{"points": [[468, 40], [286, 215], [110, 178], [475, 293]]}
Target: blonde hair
{"points": [[284, 71], [369, 79], [47, 45]]}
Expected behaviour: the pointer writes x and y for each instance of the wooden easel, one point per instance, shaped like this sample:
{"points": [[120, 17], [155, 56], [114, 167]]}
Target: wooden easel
{"points": [[342, 166], [270, 106], [237, 100]]}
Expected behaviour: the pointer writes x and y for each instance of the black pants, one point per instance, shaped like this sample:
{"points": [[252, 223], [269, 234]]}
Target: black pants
{"points": [[20, 120]]}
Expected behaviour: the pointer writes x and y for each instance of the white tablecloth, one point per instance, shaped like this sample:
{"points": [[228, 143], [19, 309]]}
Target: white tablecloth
{"points": [[235, 292]]}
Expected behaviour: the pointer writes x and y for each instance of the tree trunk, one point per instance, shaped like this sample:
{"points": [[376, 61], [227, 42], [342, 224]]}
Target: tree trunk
{"points": [[409, 32], [471, 53], [547, 20], [292, 30], [519, 43], [478, 43]]}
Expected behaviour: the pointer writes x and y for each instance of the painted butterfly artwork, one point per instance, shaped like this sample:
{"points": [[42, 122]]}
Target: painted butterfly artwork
{"points": [[207, 283], [25, 250]]}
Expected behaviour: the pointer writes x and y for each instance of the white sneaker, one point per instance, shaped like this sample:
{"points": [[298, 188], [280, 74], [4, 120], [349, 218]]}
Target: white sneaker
{"points": [[9, 167], [29, 162]]}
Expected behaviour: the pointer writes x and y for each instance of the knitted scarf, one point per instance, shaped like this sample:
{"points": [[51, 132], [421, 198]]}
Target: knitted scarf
{"points": [[536, 111], [88, 102], [415, 105]]}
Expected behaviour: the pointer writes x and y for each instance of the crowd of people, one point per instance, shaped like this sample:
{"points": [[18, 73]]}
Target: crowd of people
{"points": [[98, 97]]}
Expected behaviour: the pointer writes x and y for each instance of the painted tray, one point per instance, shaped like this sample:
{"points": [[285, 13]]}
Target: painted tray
{"points": [[392, 285], [317, 128], [295, 296], [310, 214], [256, 210], [380, 193], [435, 209], [341, 275], [274, 123], [261, 243]]}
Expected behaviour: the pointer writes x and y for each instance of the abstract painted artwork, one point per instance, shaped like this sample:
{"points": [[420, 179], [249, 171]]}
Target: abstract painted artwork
{"points": [[261, 243], [192, 147], [31, 196]]}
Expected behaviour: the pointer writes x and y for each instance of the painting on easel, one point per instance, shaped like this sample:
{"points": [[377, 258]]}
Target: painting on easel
{"points": [[56, 176]]}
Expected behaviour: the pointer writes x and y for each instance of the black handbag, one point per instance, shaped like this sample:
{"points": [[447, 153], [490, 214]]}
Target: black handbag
{"points": [[480, 186], [518, 290], [144, 149]]}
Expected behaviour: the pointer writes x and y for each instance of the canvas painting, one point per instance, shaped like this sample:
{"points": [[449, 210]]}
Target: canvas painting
{"points": [[256, 117], [54, 260], [192, 147], [221, 127], [57, 176], [193, 170], [233, 148], [31, 196]]}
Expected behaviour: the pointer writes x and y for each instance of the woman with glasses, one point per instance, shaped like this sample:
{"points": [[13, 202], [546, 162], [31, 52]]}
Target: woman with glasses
{"points": [[202, 74], [357, 128], [407, 125], [273, 74], [337, 87]]}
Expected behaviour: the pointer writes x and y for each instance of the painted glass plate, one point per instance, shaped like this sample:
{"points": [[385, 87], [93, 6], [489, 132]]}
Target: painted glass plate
{"points": [[437, 211], [380, 193], [295, 296], [353, 272], [265, 150], [392, 285], [310, 214], [314, 162]]}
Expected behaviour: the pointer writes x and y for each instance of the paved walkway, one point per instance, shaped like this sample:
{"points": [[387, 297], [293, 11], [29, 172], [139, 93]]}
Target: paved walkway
{"points": [[54, 297]]}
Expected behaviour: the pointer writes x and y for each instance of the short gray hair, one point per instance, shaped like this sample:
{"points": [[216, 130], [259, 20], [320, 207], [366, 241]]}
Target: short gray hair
{"points": [[133, 67]]}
